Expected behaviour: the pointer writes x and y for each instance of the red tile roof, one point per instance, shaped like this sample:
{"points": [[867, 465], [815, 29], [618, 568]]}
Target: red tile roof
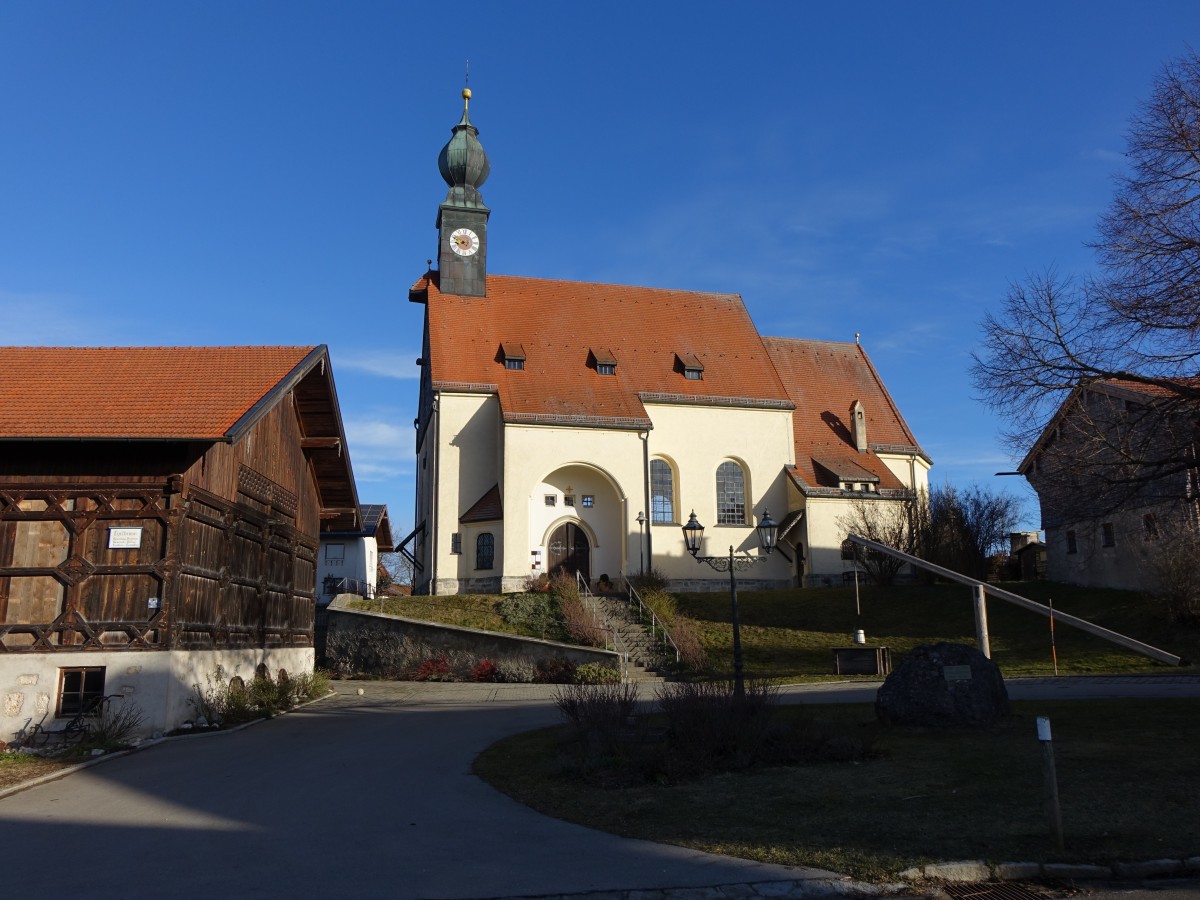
{"points": [[558, 323], [152, 393], [823, 379]]}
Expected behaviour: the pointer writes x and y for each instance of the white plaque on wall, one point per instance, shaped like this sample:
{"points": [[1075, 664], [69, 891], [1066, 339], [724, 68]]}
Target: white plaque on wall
{"points": [[124, 538]]}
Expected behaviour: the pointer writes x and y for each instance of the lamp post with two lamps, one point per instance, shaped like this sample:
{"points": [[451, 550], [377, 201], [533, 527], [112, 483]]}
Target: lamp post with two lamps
{"points": [[693, 535]]}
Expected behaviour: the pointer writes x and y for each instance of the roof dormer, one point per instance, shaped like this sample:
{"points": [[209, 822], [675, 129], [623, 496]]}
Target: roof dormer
{"points": [[689, 364], [512, 355], [602, 361]]}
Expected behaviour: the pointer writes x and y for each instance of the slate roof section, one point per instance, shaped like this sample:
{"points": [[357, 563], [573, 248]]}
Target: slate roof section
{"points": [[487, 508], [138, 393], [823, 380], [558, 323]]}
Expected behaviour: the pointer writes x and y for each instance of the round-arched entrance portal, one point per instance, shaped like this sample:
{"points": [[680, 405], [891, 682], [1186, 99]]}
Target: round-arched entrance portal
{"points": [[569, 551]]}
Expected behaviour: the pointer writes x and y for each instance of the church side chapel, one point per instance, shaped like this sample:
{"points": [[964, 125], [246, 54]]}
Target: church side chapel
{"points": [[566, 426]]}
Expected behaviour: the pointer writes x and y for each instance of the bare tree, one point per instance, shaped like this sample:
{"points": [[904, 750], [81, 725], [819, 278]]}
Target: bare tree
{"points": [[962, 528], [398, 568], [1134, 325], [885, 522]]}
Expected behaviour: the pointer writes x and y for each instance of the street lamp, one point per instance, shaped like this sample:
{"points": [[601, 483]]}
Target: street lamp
{"points": [[693, 535], [642, 542]]}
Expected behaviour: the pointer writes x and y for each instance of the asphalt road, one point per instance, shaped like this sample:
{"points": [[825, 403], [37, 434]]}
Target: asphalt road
{"points": [[372, 796]]}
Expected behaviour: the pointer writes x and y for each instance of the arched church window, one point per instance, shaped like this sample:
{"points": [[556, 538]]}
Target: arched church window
{"points": [[485, 550], [662, 491], [731, 494]]}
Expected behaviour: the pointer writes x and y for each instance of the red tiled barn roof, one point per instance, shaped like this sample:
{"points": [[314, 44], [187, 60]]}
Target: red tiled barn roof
{"points": [[154, 393], [559, 323], [823, 379]]}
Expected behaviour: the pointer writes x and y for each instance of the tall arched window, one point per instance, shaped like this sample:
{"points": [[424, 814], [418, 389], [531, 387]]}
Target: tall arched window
{"points": [[731, 494], [662, 491], [485, 550]]}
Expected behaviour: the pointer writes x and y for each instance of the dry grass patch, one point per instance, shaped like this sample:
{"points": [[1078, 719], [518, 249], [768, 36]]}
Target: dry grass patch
{"points": [[18, 768]]}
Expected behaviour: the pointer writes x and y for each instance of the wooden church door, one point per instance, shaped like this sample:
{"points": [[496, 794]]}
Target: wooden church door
{"points": [[569, 551]]}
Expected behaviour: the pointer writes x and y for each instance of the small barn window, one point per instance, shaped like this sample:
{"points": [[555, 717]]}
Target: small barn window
{"points": [[1108, 535], [1072, 543], [79, 689], [485, 550], [515, 365], [606, 368]]}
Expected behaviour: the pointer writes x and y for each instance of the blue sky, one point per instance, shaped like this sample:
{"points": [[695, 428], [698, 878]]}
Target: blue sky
{"points": [[265, 173]]}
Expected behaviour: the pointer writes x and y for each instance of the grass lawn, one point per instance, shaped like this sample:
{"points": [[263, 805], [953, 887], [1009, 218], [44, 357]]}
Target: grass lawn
{"points": [[467, 610], [16, 768], [1128, 779], [788, 634]]}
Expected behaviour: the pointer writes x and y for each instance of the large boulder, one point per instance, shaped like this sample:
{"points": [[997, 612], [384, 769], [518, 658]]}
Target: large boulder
{"points": [[944, 685]]}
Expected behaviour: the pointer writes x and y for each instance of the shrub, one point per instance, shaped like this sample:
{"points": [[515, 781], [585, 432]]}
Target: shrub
{"points": [[597, 713], [663, 605], [692, 654], [531, 613], [652, 580], [578, 623], [554, 671], [537, 584], [710, 730], [516, 669], [436, 668], [113, 725], [310, 686], [485, 670], [596, 673]]}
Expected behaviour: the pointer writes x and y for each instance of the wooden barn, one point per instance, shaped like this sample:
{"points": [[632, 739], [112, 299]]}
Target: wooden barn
{"points": [[160, 514]]}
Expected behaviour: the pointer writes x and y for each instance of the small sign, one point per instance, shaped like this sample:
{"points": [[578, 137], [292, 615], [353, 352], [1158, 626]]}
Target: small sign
{"points": [[152, 603], [124, 538], [956, 673]]}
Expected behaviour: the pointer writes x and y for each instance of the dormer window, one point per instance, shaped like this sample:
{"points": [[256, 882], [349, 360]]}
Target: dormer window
{"points": [[513, 356], [689, 364], [603, 362]]}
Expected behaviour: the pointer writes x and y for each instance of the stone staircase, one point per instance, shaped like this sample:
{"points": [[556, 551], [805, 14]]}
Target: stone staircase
{"points": [[646, 661]]}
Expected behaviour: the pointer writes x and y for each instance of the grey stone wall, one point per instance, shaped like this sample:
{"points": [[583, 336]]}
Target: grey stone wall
{"points": [[369, 643]]}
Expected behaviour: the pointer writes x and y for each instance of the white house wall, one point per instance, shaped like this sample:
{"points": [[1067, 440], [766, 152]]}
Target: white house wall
{"points": [[161, 683]]}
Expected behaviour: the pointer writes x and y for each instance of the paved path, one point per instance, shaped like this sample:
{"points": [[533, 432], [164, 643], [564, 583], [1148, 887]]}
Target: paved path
{"points": [[372, 796], [353, 796]]}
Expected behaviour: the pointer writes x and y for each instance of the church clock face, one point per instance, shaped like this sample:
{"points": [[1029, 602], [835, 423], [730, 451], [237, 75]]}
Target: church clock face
{"points": [[464, 242]]}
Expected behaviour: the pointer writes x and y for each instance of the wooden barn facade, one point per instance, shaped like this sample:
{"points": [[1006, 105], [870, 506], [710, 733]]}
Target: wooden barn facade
{"points": [[160, 516]]}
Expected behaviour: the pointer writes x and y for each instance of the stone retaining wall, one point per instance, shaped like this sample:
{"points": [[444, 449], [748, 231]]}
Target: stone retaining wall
{"points": [[369, 643]]}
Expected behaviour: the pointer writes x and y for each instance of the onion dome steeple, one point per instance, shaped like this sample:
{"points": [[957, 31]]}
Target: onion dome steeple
{"points": [[463, 163], [462, 217]]}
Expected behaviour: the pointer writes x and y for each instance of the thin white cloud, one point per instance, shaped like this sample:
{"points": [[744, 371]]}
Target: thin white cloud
{"points": [[400, 364]]}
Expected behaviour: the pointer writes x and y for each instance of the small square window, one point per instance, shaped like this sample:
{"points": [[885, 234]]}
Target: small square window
{"points": [[693, 374], [606, 369], [552, 500], [456, 543], [568, 499], [589, 500], [335, 552], [79, 689], [1108, 537], [515, 365]]}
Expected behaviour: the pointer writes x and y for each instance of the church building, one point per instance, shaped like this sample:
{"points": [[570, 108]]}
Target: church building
{"points": [[574, 426]]}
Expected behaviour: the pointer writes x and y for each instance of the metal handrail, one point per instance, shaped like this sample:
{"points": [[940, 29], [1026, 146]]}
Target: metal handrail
{"points": [[643, 608], [601, 622]]}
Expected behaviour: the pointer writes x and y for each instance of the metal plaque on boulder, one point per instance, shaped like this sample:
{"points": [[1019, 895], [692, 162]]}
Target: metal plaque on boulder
{"points": [[956, 673]]}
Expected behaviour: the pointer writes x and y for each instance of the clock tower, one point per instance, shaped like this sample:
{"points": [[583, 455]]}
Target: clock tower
{"points": [[462, 217]]}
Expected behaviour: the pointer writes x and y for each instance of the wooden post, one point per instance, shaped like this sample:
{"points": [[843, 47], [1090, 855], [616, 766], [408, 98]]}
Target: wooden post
{"points": [[981, 626], [1053, 810]]}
